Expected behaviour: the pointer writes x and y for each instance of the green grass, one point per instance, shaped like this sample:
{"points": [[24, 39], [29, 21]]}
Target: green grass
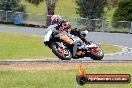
{"points": [[14, 46], [108, 48], [64, 8], [59, 78]]}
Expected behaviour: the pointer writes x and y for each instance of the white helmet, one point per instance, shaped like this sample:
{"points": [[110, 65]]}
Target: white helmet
{"points": [[56, 19]]}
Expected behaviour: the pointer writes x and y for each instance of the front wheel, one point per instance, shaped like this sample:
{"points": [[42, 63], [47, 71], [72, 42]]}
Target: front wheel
{"points": [[96, 53], [61, 51]]}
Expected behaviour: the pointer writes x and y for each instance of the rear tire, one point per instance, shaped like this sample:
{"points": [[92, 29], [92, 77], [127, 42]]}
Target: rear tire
{"points": [[53, 47]]}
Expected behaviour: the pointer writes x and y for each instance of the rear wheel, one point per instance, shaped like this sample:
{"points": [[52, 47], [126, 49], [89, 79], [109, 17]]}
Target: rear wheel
{"points": [[96, 53], [61, 51]]}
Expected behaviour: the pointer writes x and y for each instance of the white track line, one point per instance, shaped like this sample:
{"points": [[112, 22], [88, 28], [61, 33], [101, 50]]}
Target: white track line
{"points": [[125, 50]]}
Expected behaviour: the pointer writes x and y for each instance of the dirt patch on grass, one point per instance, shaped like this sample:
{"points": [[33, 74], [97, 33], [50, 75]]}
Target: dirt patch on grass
{"points": [[57, 66]]}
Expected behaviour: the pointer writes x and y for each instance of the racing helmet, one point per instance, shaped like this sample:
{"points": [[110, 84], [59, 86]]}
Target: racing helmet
{"points": [[56, 19]]}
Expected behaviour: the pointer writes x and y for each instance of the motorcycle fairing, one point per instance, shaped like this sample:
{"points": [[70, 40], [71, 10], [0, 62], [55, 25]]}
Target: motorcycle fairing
{"points": [[66, 39]]}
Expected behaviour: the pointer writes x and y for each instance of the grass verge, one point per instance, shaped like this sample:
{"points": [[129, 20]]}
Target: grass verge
{"points": [[56, 78], [14, 46], [64, 8]]}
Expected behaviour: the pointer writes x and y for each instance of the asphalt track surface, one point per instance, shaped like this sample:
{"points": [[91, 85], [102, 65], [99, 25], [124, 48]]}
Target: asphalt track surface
{"points": [[120, 39]]}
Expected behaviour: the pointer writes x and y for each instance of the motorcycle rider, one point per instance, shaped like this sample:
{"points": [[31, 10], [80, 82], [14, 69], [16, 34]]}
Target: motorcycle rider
{"points": [[65, 26], [62, 25]]}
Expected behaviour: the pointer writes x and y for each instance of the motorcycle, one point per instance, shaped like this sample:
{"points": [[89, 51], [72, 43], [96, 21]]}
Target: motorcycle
{"points": [[61, 44]]}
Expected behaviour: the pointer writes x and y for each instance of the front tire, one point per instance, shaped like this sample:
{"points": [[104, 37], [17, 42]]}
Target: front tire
{"points": [[60, 55], [96, 53]]}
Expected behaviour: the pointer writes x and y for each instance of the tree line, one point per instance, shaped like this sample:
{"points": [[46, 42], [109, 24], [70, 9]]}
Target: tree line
{"points": [[86, 8]]}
